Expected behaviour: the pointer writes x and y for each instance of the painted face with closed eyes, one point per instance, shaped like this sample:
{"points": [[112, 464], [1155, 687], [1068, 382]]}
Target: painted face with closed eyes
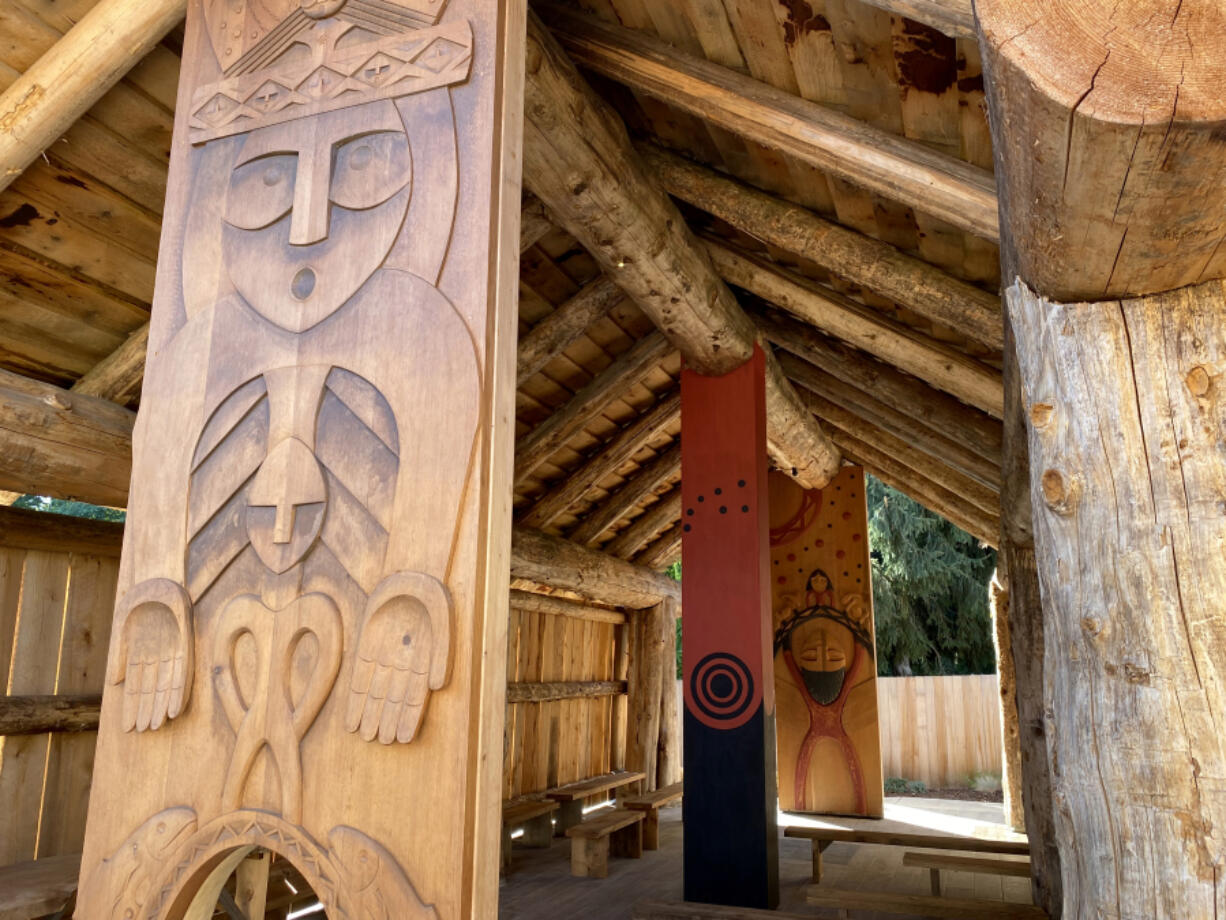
{"points": [[313, 210]]}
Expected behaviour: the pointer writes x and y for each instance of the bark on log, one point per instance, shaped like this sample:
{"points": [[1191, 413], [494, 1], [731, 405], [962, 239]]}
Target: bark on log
{"points": [[62, 444], [42, 103], [601, 517], [1128, 469], [563, 690], [118, 376], [946, 450], [668, 760], [555, 333], [873, 264], [896, 168], [36, 715], [21, 528], [1107, 121], [858, 325], [578, 160], [620, 448], [647, 645], [561, 564], [1011, 748], [563, 607], [976, 430]]}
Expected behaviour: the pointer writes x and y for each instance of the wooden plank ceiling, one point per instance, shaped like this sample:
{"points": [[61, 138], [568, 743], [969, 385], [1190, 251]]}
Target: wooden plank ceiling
{"points": [[599, 462]]}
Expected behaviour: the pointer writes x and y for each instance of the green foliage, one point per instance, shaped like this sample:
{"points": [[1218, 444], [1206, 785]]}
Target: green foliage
{"points": [[674, 572], [896, 785], [930, 589], [72, 509]]}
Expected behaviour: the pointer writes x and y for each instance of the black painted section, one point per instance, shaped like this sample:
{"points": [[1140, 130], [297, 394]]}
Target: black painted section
{"points": [[729, 809]]}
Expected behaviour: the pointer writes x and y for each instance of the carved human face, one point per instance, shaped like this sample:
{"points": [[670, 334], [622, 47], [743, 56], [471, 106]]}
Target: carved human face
{"points": [[313, 210], [822, 650]]}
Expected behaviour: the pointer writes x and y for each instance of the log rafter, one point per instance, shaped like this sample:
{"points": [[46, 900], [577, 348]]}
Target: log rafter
{"points": [[639, 532], [616, 506]]}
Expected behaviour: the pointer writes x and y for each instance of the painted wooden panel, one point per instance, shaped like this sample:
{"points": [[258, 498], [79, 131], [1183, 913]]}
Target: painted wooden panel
{"points": [[307, 653], [829, 749]]}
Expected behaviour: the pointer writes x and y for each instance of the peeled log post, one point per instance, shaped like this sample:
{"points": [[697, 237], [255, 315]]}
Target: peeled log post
{"points": [[1011, 750], [647, 644], [67, 80], [1127, 473], [36, 715], [668, 760]]}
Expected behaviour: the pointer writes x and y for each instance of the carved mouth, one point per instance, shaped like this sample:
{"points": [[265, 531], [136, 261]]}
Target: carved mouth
{"points": [[303, 283]]}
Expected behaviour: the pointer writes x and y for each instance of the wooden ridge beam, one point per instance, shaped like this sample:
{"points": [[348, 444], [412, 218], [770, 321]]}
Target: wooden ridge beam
{"points": [[939, 365], [870, 263], [579, 161], [37, 715], [617, 505], [66, 445], [560, 563], [589, 401], [563, 607], [42, 103], [555, 333], [639, 532], [118, 376], [546, 691], [875, 160], [663, 551], [977, 431], [948, 450], [615, 452]]}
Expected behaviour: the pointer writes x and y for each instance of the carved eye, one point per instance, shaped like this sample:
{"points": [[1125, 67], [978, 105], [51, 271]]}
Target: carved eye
{"points": [[261, 191], [371, 169]]}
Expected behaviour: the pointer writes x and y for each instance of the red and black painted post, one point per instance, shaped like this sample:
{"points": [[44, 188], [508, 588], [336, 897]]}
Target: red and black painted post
{"points": [[731, 843]]}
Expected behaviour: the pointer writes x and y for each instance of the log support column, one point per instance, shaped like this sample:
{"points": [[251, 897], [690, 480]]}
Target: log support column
{"points": [[731, 848]]}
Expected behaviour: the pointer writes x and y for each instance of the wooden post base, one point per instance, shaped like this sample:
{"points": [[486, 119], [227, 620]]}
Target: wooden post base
{"points": [[651, 829], [569, 814], [819, 847], [538, 833]]}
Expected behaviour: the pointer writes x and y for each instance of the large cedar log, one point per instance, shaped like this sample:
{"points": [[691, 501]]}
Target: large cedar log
{"points": [[62, 444], [649, 637], [1107, 121], [668, 760], [579, 161], [871, 263], [118, 376], [1127, 472], [36, 715]]}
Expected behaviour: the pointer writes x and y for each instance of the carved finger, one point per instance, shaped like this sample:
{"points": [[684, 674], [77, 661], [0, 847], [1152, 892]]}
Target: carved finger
{"points": [[131, 695], [161, 696], [148, 686], [177, 679], [373, 711], [413, 708], [391, 709]]}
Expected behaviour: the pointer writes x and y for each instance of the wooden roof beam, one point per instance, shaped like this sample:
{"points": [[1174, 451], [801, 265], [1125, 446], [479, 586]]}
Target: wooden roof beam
{"points": [[534, 223], [118, 376], [648, 525], [875, 160], [67, 80], [663, 551], [579, 161], [620, 503], [954, 18], [872, 264], [557, 331], [617, 451], [939, 365]]}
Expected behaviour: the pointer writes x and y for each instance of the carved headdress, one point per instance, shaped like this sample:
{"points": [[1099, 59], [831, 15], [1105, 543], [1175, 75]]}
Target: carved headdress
{"points": [[282, 61]]}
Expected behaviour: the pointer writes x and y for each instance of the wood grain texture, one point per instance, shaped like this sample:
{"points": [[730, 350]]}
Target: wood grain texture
{"points": [[37, 715], [551, 336], [118, 376], [1123, 411], [1106, 120]]}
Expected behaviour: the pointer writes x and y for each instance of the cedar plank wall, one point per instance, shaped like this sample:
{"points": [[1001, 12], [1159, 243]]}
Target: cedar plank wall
{"points": [[55, 627]]}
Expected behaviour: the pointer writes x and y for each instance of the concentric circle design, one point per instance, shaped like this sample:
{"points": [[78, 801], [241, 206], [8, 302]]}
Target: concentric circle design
{"points": [[721, 686]]}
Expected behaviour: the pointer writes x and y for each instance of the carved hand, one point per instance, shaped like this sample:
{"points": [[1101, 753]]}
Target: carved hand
{"points": [[152, 656], [403, 652]]}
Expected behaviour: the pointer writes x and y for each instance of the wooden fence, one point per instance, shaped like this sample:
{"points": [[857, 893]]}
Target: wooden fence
{"points": [[939, 729]]}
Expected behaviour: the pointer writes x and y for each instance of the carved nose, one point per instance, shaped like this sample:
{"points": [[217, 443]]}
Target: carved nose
{"points": [[309, 220]]}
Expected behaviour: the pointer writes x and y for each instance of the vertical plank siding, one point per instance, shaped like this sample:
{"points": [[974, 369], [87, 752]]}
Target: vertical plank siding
{"points": [[940, 729]]}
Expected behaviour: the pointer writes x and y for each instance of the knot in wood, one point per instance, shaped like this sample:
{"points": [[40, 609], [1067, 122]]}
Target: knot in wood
{"points": [[58, 401], [1059, 491], [1092, 625], [1134, 674], [1198, 381], [1040, 414]]}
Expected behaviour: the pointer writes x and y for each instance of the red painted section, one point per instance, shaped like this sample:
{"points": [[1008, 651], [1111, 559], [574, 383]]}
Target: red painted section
{"points": [[727, 651]]}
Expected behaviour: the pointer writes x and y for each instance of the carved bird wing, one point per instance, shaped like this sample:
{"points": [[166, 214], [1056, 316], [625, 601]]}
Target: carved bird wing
{"points": [[152, 656], [403, 652]]}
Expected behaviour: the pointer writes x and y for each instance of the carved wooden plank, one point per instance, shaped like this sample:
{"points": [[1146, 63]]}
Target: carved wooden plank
{"points": [[579, 161], [603, 516], [539, 444], [551, 336], [898, 169], [37, 715], [317, 535], [868, 262]]}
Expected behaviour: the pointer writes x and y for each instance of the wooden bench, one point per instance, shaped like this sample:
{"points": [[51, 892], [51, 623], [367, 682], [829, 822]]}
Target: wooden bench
{"points": [[614, 831], [38, 887], [570, 797], [650, 804], [921, 905], [535, 816], [822, 837], [986, 865]]}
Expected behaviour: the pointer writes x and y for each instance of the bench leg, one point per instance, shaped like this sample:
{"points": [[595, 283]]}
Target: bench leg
{"points": [[538, 832], [934, 877], [819, 847], [628, 841], [504, 864], [589, 858], [569, 814], [651, 829]]}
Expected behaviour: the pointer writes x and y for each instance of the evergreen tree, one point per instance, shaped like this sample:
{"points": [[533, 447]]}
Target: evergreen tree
{"points": [[73, 509], [930, 589]]}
